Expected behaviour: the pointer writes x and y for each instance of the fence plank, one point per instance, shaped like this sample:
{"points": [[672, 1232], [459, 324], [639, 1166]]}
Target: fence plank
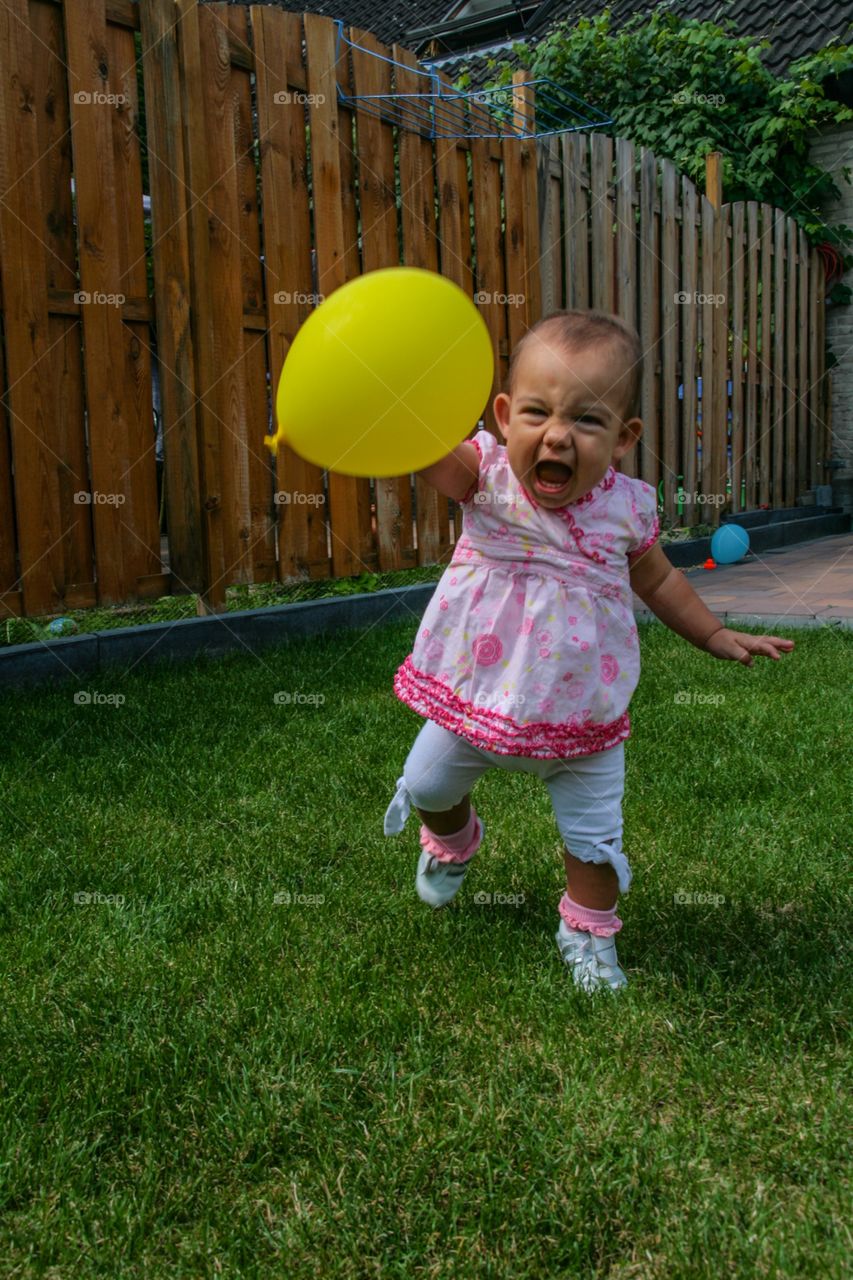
{"points": [[290, 289], [710, 260], [626, 258], [103, 337], [824, 383], [689, 337], [141, 514], [803, 362], [550, 260], [524, 100], [365, 546], [168, 177], [720, 320], [376, 184], [764, 459], [260, 555], [204, 311], [777, 476], [750, 469], [575, 166], [602, 218], [64, 370], [791, 380], [668, 463], [228, 394], [491, 277], [737, 305], [815, 304], [420, 249], [330, 134], [516, 245], [649, 318], [626, 234]]}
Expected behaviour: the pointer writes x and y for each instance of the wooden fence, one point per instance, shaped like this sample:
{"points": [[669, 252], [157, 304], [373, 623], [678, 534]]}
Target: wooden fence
{"points": [[729, 305], [266, 194]]}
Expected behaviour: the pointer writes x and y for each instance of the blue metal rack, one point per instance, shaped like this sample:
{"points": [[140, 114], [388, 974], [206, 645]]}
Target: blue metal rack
{"points": [[487, 113]]}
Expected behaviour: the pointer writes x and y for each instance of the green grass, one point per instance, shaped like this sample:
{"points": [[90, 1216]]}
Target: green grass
{"points": [[200, 1081]]}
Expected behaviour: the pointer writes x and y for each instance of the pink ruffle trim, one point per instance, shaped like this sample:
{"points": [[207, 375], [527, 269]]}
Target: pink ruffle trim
{"points": [[641, 550], [475, 486], [576, 921], [432, 843], [491, 731]]}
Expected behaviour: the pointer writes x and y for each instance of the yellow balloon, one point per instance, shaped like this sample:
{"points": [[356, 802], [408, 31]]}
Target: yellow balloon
{"points": [[387, 376]]}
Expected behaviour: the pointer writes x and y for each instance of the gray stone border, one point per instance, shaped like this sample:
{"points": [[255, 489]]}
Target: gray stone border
{"points": [[254, 630]]}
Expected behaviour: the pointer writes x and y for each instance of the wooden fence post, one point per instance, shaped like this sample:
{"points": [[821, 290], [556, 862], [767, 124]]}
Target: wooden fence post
{"points": [[714, 178]]}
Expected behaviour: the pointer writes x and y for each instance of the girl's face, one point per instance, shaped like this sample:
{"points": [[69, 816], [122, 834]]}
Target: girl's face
{"points": [[567, 409]]}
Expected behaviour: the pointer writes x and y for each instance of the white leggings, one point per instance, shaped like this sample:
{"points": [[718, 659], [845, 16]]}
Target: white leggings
{"points": [[586, 791]]}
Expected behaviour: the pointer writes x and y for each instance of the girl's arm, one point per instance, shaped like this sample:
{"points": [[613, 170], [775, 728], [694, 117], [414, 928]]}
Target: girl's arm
{"points": [[454, 474], [666, 591]]}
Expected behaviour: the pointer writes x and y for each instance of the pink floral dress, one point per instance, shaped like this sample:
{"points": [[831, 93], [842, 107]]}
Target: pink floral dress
{"points": [[529, 646]]}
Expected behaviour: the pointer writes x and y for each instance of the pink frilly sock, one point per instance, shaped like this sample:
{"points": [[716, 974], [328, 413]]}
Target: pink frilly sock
{"points": [[602, 923], [457, 847]]}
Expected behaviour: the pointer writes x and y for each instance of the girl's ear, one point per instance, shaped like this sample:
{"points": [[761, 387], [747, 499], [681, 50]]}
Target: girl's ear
{"points": [[629, 434], [501, 408]]}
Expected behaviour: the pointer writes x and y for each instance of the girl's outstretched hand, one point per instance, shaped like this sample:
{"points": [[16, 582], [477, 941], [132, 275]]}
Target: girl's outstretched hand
{"points": [[737, 646]]}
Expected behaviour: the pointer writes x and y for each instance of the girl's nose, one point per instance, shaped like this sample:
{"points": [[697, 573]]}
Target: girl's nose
{"points": [[558, 435]]}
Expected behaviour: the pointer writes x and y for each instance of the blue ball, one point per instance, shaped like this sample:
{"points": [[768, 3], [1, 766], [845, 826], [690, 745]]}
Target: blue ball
{"points": [[729, 544], [62, 626]]}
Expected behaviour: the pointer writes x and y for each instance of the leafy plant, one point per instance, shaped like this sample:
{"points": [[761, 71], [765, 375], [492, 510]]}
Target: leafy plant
{"points": [[682, 88]]}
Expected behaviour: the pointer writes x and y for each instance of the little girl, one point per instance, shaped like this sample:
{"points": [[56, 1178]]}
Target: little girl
{"points": [[528, 654]]}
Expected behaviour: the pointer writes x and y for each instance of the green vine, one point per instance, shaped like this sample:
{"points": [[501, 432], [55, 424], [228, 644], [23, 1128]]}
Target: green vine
{"points": [[682, 88]]}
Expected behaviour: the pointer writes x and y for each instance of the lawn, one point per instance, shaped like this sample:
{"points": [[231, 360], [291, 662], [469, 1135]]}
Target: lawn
{"points": [[235, 1042]]}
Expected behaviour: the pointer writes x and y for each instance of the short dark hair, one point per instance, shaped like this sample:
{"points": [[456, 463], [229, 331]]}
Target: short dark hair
{"points": [[581, 329]]}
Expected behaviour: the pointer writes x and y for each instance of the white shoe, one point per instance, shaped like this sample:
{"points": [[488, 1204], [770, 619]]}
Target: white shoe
{"points": [[592, 960], [437, 882]]}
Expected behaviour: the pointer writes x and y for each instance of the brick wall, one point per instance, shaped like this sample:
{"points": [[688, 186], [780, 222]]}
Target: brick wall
{"points": [[833, 149]]}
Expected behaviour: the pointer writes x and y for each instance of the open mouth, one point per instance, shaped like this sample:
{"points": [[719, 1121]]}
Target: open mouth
{"points": [[552, 477]]}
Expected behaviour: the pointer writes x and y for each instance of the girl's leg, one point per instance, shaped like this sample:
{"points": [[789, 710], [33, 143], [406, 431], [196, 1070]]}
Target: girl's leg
{"points": [[438, 776], [450, 821], [590, 884], [586, 793], [587, 796]]}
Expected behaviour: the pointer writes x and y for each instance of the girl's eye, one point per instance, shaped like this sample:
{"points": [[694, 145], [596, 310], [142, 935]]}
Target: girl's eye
{"points": [[595, 421]]}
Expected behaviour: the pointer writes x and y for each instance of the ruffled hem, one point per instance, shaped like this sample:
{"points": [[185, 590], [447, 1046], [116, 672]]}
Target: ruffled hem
{"points": [[491, 731], [575, 922], [433, 844], [644, 546]]}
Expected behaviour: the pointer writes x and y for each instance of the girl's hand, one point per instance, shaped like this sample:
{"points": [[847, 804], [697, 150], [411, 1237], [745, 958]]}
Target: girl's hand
{"points": [[737, 646]]}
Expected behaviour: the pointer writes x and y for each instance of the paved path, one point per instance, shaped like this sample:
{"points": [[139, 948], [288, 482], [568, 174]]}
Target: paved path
{"points": [[804, 585]]}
